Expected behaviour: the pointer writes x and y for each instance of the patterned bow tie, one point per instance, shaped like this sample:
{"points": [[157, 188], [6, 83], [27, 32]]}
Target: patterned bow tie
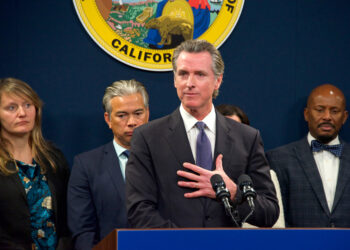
{"points": [[316, 146]]}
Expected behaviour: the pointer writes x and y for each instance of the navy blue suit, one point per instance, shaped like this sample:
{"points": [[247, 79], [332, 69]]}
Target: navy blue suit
{"points": [[158, 150], [96, 196], [303, 196]]}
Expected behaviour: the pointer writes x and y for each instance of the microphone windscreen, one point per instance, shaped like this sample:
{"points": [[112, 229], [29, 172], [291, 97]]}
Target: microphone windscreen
{"points": [[215, 179], [244, 180]]}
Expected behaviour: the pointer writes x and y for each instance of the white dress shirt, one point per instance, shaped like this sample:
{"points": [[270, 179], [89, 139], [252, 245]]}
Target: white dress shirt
{"points": [[122, 158], [192, 131], [328, 167]]}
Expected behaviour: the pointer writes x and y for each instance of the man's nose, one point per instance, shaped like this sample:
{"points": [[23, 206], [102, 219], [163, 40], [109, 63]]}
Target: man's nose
{"points": [[190, 81], [132, 121], [327, 114]]}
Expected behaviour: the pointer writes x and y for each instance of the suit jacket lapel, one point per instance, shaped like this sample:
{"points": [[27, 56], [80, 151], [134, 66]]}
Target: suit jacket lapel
{"points": [[224, 140], [180, 146], [111, 163], [344, 173], [307, 162], [16, 179], [223, 145], [178, 140]]}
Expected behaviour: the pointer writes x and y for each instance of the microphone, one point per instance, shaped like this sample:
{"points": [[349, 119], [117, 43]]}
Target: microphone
{"points": [[221, 192], [245, 184]]}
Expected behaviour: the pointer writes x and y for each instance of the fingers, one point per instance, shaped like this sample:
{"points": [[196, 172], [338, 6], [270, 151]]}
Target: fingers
{"points": [[199, 179], [189, 184], [195, 194], [194, 168], [188, 175], [203, 190], [194, 185], [218, 162], [199, 170]]}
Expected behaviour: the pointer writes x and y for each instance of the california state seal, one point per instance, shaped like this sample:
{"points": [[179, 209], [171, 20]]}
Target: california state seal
{"points": [[143, 34]]}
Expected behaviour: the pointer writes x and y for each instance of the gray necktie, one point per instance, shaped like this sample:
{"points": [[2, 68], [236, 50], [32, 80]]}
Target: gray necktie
{"points": [[203, 148]]}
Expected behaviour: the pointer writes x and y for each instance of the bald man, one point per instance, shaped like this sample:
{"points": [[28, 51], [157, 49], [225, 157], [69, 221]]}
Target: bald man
{"points": [[314, 172]]}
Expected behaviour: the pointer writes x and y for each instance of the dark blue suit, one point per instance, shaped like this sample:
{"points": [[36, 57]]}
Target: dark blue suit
{"points": [[158, 150], [96, 196], [302, 191]]}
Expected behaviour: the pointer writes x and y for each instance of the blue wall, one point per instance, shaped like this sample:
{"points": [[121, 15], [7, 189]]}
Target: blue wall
{"points": [[277, 53]]}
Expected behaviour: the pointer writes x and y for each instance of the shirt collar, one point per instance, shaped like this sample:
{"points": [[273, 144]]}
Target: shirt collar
{"points": [[118, 149], [190, 121], [335, 141]]}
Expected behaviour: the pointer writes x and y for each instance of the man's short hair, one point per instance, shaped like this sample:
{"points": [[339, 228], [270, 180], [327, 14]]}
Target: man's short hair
{"points": [[123, 88], [197, 46]]}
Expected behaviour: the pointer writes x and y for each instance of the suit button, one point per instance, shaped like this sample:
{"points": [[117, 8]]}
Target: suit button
{"points": [[332, 224], [207, 217]]}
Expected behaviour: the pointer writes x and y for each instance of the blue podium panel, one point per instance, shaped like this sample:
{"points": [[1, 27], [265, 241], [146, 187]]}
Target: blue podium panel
{"points": [[254, 239]]}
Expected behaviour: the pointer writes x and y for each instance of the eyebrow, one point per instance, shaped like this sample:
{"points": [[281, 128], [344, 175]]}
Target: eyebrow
{"points": [[12, 104], [196, 72], [200, 71], [125, 112]]}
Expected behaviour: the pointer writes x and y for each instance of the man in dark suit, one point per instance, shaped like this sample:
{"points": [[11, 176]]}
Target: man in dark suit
{"points": [[96, 190], [164, 187], [314, 172]]}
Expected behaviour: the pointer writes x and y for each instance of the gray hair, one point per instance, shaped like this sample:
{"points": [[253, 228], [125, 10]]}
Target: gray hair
{"points": [[197, 46], [123, 88]]}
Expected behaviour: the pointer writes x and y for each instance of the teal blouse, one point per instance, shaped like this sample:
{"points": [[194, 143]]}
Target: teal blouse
{"points": [[39, 200]]}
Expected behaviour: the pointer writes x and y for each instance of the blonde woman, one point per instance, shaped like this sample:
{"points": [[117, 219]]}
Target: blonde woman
{"points": [[33, 175]]}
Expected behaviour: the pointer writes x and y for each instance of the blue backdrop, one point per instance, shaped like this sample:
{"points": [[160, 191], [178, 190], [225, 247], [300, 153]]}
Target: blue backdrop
{"points": [[277, 53]]}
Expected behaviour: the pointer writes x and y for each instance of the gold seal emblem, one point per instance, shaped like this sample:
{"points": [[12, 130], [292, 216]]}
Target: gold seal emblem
{"points": [[143, 34]]}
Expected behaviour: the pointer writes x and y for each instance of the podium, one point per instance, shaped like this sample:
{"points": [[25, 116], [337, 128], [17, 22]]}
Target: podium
{"points": [[222, 239]]}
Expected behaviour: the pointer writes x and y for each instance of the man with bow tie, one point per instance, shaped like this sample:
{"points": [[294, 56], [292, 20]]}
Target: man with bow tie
{"points": [[314, 172], [96, 189]]}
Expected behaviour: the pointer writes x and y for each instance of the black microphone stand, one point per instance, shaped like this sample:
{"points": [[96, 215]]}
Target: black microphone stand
{"points": [[246, 186], [248, 215], [222, 194], [233, 213]]}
